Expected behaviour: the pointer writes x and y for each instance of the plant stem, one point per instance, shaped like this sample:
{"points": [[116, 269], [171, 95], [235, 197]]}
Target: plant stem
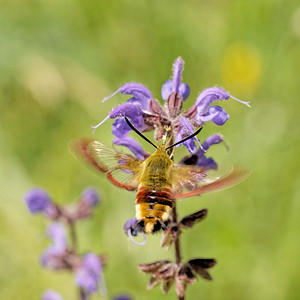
{"points": [[73, 237], [177, 242], [74, 247]]}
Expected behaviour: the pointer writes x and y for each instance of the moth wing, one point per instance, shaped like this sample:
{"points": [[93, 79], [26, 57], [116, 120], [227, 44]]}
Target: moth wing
{"points": [[122, 169], [192, 181], [184, 177]]}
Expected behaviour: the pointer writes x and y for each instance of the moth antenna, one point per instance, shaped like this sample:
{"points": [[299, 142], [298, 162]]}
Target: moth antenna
{"points": [[139, 133], [185, 139]]}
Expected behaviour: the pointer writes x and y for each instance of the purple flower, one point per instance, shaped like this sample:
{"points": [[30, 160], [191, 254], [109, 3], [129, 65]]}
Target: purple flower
{"points": [[139, 92], [131, 229], [133, 108], [89, 275], [58, 235], [51, 295], [37, 200], [146, 113], [130, 226], [51, 257], [90, 196], [186, 129], [122, 297], [199, 157], [175, 85], [132, 145]]}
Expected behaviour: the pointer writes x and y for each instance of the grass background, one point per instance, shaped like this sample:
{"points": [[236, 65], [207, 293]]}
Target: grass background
{"points": [[58, 59]]}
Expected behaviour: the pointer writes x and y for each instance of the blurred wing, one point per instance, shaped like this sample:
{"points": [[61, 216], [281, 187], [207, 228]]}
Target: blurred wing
{"points": [[186, 177], [122, 169], [195, 181]]}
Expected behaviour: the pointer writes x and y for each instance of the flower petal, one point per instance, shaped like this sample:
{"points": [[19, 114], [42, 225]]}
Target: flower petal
{"points": [[90, 196], [120, 128], [89, 275], [166, 89], [175, 85], [137, 90], [132, 145], [212, 94], [51, 295], [86, 280], [184, 90], [211, 140], [208, 96], [129, 110], [52, 259], [216, 114], [186, 130], [122, 297], [177, 71], [37, 199], [92, 262], [58, 234], [130, 225], [208, 163]]}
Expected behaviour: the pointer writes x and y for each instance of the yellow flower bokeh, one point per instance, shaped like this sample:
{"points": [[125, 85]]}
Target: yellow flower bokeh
{"points": [[241, 68]]}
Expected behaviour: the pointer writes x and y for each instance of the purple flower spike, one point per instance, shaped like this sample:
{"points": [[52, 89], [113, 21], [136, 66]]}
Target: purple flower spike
{"points": [[51, 295], [137, 90], [89, 275], [132, 145], [37, 200], [90, 196]]}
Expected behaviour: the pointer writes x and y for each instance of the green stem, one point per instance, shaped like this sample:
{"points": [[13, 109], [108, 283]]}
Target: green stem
{"points": [[74, 247], [177, 243]]}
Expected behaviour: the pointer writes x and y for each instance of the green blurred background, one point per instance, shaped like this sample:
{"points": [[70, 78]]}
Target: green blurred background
{"points": [[58, 59]]}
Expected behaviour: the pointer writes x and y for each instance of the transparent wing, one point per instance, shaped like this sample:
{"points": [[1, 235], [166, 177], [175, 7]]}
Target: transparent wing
{"points": [[184, 177], [189, 181], [122, 169]]}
